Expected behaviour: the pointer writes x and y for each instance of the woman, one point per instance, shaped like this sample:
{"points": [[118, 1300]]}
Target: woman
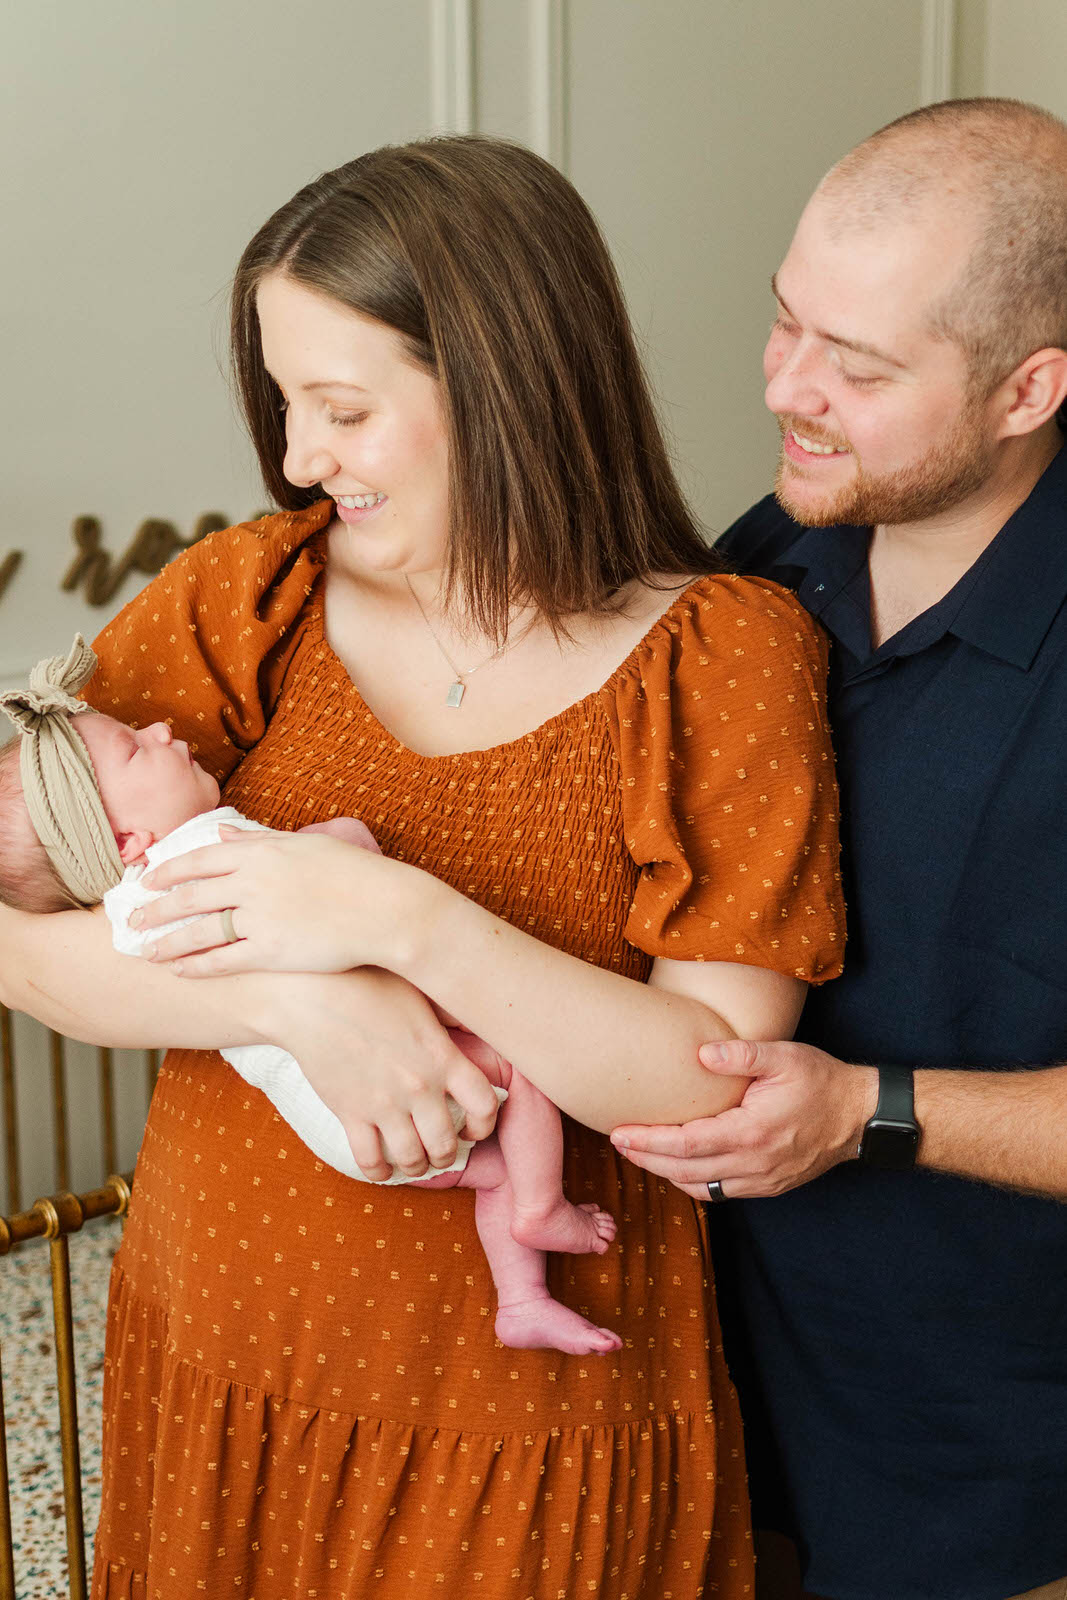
{"points": [[595, 761]]}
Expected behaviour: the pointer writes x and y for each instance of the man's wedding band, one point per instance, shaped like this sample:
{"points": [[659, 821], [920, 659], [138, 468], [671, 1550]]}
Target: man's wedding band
{"points": [[715, 1190], [231, 936]]}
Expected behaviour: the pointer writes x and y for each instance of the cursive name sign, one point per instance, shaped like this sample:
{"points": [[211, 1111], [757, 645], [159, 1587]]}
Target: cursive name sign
{"points": [[8, 567], [101, 574]]}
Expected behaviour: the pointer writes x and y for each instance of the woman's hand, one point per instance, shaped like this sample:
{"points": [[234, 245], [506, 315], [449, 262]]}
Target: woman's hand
{"points": [[373, 1049], [302, 902]]}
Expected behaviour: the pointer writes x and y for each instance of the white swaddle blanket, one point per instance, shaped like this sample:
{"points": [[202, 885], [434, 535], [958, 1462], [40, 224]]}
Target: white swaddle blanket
{"points": [[264, 1066]]}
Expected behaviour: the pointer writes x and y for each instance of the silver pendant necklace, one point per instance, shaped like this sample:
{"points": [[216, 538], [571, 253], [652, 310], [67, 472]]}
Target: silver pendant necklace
{"points": [[458, 687]]}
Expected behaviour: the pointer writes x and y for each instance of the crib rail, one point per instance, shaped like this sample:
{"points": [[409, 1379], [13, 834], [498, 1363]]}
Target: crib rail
{"points": [[64, 1135], [11, 1136], [49, 1055], [54, 1218]]}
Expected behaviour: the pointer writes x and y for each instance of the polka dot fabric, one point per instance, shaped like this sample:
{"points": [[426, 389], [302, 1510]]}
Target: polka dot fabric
{"points": [[304, 1395]]}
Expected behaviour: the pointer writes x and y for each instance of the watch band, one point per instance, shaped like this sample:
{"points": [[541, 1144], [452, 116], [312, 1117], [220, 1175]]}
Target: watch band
{"points": [[891, 1137], [896, 1095]]}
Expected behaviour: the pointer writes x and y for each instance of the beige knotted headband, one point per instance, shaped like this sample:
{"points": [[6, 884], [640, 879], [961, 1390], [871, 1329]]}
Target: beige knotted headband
{"points": [[58, 781]]}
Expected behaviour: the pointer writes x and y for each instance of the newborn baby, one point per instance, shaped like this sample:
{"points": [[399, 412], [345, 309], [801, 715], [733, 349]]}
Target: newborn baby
{"points": [[88, 806]]}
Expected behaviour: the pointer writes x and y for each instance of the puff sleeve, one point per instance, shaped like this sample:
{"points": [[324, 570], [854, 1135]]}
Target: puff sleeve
{"points": [[205, 645], [728, 791]]}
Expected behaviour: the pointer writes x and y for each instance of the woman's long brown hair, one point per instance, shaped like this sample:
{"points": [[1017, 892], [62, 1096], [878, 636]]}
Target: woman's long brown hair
{"points": [[492, 270]]}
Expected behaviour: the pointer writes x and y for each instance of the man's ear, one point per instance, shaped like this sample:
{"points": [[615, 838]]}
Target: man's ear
{"points": [[132, 846], [1034, 392]]}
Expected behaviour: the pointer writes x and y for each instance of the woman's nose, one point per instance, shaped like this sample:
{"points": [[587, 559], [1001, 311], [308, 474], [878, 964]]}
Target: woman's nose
{"points": [[308, 460]]}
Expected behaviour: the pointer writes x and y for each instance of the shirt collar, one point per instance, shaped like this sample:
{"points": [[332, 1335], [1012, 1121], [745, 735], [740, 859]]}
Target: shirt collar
{"points": [[1004, 605]]}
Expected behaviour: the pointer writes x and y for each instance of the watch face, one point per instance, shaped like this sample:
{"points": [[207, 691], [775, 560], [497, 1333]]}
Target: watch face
{"points": [[890, 1145]]}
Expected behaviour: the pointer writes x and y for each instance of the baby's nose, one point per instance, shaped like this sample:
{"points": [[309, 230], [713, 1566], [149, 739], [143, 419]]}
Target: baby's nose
{"points": [[161, 731]]}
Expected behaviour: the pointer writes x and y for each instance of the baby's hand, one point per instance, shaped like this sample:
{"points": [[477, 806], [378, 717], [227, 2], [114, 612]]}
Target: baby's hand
{"points": [[348, 829]]}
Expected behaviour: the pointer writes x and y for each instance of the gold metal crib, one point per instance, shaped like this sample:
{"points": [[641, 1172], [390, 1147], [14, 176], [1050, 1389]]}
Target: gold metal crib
{"points": [[55, 1218]]}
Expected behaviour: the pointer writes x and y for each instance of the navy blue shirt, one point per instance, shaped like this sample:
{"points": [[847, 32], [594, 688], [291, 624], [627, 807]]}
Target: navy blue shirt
{"points": [[900, 1339]]}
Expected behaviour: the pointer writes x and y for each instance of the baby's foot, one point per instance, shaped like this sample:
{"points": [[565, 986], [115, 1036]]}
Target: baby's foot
{"points": [[546, 1325], [579, 1230]]}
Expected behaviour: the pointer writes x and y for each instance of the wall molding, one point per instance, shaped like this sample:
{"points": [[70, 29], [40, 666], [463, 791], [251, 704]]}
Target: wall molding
{"points": [[548, 80], [452, 66], [937, 62]]}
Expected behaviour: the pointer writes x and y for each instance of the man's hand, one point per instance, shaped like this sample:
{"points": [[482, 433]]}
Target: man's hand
{"points": [[802, 1112]]}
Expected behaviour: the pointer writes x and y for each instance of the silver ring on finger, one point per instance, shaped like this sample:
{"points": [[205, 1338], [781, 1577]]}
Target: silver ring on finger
{"points": [[229, 932], [715, 1190]]}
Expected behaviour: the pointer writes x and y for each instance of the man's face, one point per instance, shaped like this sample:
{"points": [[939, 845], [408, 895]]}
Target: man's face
{"points": [[879, 424]]}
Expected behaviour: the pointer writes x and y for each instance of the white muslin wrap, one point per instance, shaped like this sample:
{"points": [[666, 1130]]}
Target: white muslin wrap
{"points": [[264, 1066]]}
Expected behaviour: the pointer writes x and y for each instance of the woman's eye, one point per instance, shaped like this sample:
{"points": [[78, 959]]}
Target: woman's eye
{"points": [[346, 419]]}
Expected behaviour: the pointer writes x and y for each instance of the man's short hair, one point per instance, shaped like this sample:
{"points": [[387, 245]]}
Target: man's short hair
{"points": [[1003, 162]]}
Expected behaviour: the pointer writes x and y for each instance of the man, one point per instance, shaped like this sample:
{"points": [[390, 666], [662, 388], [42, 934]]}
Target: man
{"points": [[901, 1337]]}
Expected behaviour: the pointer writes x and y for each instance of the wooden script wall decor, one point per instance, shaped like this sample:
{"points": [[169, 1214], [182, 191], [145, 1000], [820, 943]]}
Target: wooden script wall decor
{"points": [[100, 574], [8, 568]]}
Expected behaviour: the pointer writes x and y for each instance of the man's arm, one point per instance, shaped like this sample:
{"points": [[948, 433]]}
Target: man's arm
{"points": [[804, 1111]]}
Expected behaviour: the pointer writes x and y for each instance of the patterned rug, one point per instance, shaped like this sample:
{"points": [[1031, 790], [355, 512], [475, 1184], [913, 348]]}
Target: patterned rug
{"points": [[35, 1464]]}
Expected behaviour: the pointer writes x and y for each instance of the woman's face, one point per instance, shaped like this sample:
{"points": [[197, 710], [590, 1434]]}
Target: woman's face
{"points": [[362, 421]]}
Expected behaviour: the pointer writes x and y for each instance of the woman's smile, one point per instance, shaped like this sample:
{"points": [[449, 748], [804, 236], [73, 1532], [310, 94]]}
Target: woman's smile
{"points": [[356, 508]]}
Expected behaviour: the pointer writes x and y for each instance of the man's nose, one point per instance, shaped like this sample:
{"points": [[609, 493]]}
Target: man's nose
{"points": [[793, 385]]}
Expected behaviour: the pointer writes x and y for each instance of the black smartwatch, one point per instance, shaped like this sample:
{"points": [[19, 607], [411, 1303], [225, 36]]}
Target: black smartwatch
{"points": [[891, 1138]]}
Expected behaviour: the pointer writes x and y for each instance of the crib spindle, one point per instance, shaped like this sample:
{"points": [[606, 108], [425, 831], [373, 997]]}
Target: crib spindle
{"points": [[107, 1108], [59, 1110], [7, 1546], [62, 1216], [54, 1218], [11, 1132], [151, 1067]]}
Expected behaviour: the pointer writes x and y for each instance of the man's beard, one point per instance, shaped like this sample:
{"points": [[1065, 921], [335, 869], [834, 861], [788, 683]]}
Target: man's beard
{"points": [[955, 469]]}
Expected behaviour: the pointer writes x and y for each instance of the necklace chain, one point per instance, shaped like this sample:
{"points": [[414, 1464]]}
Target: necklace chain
{"points": [[458, 688]]}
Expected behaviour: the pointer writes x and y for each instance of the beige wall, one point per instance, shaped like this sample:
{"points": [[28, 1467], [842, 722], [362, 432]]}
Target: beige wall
{"points": [[147, 141], [1017, 48]]}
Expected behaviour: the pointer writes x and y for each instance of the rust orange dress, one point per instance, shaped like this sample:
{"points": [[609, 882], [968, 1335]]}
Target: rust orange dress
{"points": [[304, 1395]]}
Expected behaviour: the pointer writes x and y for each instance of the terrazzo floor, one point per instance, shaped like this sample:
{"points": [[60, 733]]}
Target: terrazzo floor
{"points": [[30, 1400]]}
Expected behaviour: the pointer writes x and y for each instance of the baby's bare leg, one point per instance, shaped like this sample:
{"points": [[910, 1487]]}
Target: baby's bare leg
{"points": [[531, 1142], [527, 1316]]}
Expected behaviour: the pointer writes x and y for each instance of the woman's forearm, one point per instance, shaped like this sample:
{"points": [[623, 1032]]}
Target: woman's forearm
{"points": [[63, 970], [605, 1048]]}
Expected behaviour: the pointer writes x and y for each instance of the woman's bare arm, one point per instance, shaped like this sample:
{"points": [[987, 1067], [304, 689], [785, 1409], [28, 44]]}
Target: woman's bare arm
{"points": [[368, 1041], [605, 1048], [63, 970]]}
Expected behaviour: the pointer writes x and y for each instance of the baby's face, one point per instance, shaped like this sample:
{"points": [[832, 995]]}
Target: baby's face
{"points": [[147, 779]]}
